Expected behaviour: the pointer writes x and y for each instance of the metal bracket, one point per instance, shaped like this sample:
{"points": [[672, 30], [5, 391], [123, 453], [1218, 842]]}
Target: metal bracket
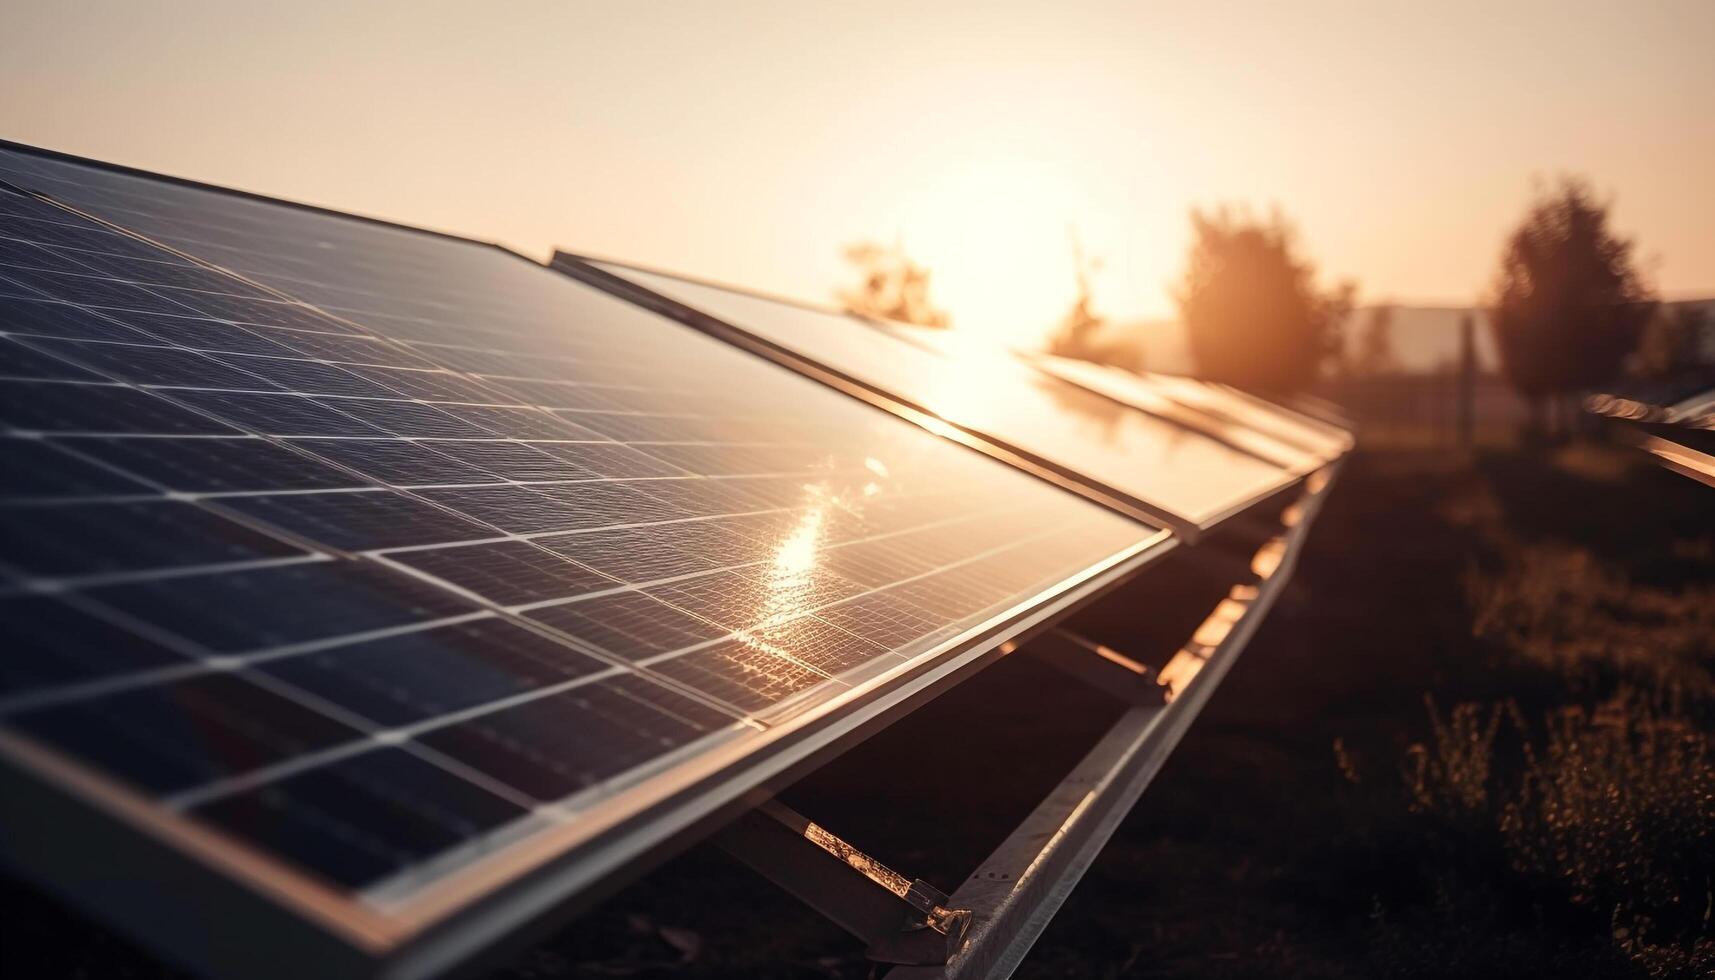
{"points": [[1103, 668], [905, 922]]}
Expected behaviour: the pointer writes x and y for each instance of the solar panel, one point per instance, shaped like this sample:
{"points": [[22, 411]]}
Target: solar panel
{"points": [[1673, 420], [1698, 410], [1261, 427], [381, 569], [1141, 463]]}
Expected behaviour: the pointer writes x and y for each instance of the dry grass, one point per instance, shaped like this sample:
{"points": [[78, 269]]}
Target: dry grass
{"points": [[1563, 608], [1603, 816], [1511, 657], [1593, 809]]}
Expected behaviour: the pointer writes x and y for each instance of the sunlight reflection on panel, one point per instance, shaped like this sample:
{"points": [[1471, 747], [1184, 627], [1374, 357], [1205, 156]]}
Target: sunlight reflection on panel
{"points": [[1166, 467], [1283, 424], [1148, 393]]}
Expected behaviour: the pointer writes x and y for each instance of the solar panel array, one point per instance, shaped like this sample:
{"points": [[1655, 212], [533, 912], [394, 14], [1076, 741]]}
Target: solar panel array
{"points": [[1184, 475], [381, 551]]}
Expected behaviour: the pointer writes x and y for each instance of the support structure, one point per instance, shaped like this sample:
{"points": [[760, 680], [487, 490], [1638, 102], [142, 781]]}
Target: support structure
{"points": [[903, 921], [1016, 891], [1101, 667]]}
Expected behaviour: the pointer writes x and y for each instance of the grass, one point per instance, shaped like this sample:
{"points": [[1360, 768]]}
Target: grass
{"points": [[1588, 796], [1479, 744]]}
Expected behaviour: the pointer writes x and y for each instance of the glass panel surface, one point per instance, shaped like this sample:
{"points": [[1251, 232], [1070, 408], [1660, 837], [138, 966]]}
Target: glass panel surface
{"points": [[1285, 423], [381, 550], [1167, 467], [1253, 430]]}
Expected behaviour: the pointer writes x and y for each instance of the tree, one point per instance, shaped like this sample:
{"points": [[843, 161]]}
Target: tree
{"points": [[1568, 303], [1079, 332], [1253, 313], [893, 286], [1375, 344]]}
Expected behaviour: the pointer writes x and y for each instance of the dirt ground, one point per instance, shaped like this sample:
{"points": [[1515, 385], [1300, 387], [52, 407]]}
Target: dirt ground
{"points": [[1473, 739]]}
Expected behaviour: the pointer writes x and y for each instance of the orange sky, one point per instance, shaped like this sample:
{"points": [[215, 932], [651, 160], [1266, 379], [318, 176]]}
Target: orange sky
{"points": [[747, 141]]}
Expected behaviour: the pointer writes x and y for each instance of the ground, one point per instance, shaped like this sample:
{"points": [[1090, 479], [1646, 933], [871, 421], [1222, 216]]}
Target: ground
{"points": [[1473, 738], [1475, 743]]}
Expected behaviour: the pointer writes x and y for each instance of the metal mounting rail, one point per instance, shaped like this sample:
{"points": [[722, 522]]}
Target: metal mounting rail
{"points": [[903, 920], [1018, 888], [1679, 457]]}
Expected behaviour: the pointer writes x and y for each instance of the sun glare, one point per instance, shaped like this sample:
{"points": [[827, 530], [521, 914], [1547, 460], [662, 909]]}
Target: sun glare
{"points": [[995, 235], [796, 555]]}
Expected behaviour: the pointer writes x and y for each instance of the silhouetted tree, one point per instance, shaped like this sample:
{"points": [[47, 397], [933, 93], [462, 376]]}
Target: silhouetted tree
{"points": [[1568, 302], [893, 286], [1079, 333], [1673, 342], [1375, 344], [1253, 313]]}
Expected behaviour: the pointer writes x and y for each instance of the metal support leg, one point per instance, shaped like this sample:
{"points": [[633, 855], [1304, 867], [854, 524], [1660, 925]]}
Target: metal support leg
{"points": [[904, 922], [1102, 668]]}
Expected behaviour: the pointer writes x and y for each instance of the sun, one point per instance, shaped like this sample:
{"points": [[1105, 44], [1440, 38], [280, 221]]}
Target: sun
{"points": [[994, 233]]}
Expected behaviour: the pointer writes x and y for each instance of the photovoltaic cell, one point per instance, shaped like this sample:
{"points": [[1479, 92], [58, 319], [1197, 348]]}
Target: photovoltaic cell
{"points": [[646, 553], [557, 746], [508, 573], [99, 538], [306, 377], [628, 624], [277, 414], [214, 465], [175, 735], [329, 817], [382, 552], [397, 461], [37, 317], [359, 520], [148, 365], [19, 360], [51, 644], [413, 677], [192, 333], [262, 609], [31, 469], [748, 676], [38, 406]]}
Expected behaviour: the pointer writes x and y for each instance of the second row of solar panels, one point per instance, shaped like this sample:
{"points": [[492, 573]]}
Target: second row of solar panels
{"points": [[1185, 453]]}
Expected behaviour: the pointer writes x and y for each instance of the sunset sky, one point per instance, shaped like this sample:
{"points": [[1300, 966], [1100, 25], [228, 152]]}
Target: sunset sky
{"points": [[749, 141]]}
